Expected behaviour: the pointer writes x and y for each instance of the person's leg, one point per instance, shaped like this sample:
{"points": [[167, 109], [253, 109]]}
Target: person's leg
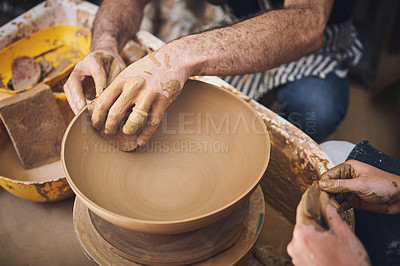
{"points": [[378, 232], [314, 105]]}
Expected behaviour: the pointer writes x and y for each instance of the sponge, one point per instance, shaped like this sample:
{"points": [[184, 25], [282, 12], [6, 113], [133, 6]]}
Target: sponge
{"points": [[35, 125]]}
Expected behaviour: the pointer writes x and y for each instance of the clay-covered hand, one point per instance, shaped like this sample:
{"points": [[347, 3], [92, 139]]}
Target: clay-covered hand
{"points": [[336, 246], [102, 65], [364, 187], [144, 89]]}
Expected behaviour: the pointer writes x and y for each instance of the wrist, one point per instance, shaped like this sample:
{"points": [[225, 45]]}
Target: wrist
{"points": [[187, 62], [104, 44]]}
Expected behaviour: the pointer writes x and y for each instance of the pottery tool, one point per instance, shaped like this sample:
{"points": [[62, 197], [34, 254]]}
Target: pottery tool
{"points": [[314, 202], [62, 46], [48, 51], [26, 72]]}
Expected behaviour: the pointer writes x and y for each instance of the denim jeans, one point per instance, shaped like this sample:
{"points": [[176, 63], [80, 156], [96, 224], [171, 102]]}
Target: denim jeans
{"points": [[314, 105], [379, 233]]}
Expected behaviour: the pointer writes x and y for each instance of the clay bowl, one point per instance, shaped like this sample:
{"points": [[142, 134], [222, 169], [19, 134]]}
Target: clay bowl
{"points": [[205, 158], [43, 184]]}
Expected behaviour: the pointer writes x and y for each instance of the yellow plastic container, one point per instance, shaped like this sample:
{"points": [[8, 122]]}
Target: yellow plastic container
{"points": [[65, 43]]}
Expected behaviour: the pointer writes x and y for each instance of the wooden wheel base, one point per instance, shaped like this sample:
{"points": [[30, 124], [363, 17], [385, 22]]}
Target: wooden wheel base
{"points": [[223, 242]]}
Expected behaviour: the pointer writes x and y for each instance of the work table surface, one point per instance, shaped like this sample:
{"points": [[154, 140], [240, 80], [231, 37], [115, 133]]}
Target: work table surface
{"points": [[33, 233]]}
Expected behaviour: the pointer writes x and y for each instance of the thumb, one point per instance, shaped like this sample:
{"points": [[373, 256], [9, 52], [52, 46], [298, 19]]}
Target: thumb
{"points": [[100, 80], [340, 185], [113, 72], [120, 61], [334, 220]]}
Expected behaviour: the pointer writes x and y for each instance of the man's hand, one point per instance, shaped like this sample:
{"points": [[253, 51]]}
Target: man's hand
{"points": [[103, 66], [336, 246], [149, 85], [365, 187]]}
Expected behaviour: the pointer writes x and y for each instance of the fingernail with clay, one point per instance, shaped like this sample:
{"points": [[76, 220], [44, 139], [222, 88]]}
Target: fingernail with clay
{"points": [[141, 143], [110, 132]]}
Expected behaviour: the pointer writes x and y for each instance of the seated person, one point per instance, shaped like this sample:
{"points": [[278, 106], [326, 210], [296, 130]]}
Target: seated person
{"points": [[301, 47]]}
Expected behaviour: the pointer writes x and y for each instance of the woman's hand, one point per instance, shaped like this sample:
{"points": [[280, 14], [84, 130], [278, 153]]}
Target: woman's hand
{"points": [[102, 65], [364, 187], [149, 85], [337, 246]]}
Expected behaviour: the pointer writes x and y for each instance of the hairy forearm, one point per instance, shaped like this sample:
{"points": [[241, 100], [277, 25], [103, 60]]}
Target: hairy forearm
{"points": [[256, 44], [116, 22]]}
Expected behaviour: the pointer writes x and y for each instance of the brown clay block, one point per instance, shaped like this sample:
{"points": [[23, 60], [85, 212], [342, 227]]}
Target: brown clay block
{"points": [[35, 125]]}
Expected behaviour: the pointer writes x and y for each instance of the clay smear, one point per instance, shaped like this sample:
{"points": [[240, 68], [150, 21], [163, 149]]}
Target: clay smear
{"points": [[172, 87], [153, 58], [166, 61]]}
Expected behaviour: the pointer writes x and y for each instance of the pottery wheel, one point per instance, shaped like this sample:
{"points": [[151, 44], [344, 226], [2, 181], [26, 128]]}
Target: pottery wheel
{"points": [[225, 241]]}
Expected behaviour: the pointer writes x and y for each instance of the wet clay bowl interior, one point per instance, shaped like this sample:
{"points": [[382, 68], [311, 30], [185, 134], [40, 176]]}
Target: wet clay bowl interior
{"points": [[207, 155]]}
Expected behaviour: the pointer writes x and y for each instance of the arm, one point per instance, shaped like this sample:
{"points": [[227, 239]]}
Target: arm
{"points": [[115, 23], [254, 45], [365, 187]]}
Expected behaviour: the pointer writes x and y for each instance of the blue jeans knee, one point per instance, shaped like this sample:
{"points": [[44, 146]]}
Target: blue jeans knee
{"points": [[315, 105]]}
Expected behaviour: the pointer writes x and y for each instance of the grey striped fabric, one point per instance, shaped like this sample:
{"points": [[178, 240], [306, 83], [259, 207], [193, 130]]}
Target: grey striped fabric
{"points": [[341, 48]]}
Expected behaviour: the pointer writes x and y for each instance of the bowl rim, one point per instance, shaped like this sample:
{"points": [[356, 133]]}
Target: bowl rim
{"points": [[138, 224], [27, 183]]}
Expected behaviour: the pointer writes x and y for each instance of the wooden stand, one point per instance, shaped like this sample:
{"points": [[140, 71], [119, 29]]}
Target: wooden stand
{"points": [[224, 242]]}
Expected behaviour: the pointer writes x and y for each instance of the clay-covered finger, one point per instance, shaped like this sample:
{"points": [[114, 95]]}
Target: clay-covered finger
{"points": [[341, 171], [74, 93], [113, 72], [154, 119], [139, 113], [100, 80], [125, 100], [335, 220], [105, 101]]}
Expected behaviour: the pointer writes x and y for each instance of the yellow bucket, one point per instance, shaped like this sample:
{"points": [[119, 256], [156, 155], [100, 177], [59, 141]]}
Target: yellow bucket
{"points": [[62, 46]]}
